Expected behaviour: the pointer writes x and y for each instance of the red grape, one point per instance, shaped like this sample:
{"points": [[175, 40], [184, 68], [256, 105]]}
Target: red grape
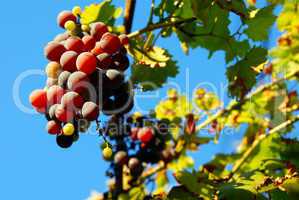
{"points": [[74, 44], [89, 42], [124, 39], [134, 133], [110, 43], [97, 50], [51, 82], [52, 111], [86, 62], [62, 37], [72, 101], [53, 51], [38, 99], [121, 158], [65, 16], [90, 111], [121, 62], [98, 29], [145, 134], [77, 82], [68, 61], [104, 60], [63, 114], [63, 78], [114, 78], [53, 127], [54, 94]]}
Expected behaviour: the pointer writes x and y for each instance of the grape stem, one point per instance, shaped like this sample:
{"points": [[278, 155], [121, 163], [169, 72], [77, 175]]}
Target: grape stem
{"points": [[164, 24], [260, 138], [129, 15], [99, 130]]}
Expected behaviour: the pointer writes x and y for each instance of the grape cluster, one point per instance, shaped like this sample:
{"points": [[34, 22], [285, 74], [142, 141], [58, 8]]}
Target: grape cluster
{"points": [[85, 76], [139, 140]]}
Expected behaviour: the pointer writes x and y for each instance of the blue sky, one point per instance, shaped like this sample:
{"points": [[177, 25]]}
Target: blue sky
{"points": [[31, 165]]}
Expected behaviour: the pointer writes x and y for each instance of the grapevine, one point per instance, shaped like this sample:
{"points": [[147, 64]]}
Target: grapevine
{"points": [[89, 82]]}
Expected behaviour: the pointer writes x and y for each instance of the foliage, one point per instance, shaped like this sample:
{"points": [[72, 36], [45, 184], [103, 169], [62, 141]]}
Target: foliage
{"points": [[265, 164]]}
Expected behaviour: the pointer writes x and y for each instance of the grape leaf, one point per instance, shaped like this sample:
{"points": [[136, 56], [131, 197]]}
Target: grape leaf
{"points": [[237, 6], [180, 192], [103, 12], [230, 191], [213, 35], [268, 149], [137, 193], [241, 76], [154, 57], [260, 23], [153, 78], [191, 182]]}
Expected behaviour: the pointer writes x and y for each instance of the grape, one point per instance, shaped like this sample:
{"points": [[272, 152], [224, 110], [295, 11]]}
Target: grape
{"points": [[83, 125], [149, 155], [63, 114], [123, 196], [89, 42], [111, 184], [53, 69], [68, 61], [98, 29], [72, 101], [52, 110], [64, 141], [62, 37], [110, 43], [54, 94], [120, 158], [114, 78], [133, 133], [63, 78], [124, 39], [121, 62], [38, 99], [85, 28], [76, 136], [90, 111], [168, 155], [104, 60], [124, 103], [53, 51], [68, 129], [65, 16], [145, 134], [53, 127], [123, 50], [70, 25], [77, 81], [76, 10], [74, 44], [107, 153], [51, 82], [134, 164], [108, 107], [97, 50], [86, 62]]}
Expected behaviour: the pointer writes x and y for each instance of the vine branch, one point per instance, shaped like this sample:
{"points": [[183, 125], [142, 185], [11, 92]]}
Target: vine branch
{"points": [[234, 104], [159, 25], [228, 109], [260, 138], [129, 15]]}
